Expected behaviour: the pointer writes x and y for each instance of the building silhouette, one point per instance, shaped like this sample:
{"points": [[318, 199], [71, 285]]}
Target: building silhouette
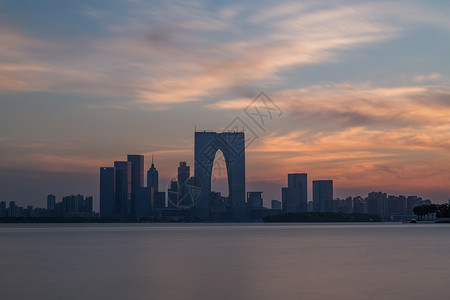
{"points": [[123, 194], [183, 175], [137, 176], [172, 194], [275, 204], [255, 199], [323, 195], [74, 206], [295, 196], [284, 199], [184, 172], [377, 204], [123, 203], [359, 205], [411, 203], [153, 177], [232, 145], [108, 192], [51, 201], [3, 212], [143, 202]]}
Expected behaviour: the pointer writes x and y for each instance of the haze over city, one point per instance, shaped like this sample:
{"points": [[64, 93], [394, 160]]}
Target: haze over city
{"points": [[362, 87]]}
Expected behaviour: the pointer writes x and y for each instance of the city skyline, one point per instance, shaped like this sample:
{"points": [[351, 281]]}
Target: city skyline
{"points": [[363, 88], [124, 196]]}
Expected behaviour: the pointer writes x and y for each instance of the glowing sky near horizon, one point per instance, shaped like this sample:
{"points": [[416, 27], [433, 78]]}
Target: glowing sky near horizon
{"points": [[363, 86]]}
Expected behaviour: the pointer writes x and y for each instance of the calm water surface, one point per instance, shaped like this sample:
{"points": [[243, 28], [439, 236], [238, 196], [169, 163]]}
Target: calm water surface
{"points": [[225, 261]]}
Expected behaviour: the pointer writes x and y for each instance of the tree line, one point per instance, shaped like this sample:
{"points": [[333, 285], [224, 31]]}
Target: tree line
{"points": [[441, 210]]}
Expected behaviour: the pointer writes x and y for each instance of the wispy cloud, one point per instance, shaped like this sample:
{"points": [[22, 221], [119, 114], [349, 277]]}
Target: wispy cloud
{"points": [[430, 77], [172, 53]]}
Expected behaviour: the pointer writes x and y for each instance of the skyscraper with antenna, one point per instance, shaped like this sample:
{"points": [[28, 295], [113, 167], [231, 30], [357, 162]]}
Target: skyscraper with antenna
{"points": [[152, 177]]}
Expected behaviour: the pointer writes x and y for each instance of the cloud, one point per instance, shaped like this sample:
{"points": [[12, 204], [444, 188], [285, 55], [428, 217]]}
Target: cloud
{"points": [[172, 53], [430, 77]]}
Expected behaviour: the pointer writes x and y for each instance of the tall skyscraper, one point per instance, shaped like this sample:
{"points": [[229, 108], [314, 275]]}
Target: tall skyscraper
{"points": [[184, 173], [137, 171], [323, 195], [183, 176], [137, 176], [152, 178], [123, 189], [297, 193], [108, 192]]}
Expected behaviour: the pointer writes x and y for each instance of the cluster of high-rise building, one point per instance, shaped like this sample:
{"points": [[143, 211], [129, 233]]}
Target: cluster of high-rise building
{"points": [[73, 206], [123, 193], [389, 208], [294, 200], [294, 197]]}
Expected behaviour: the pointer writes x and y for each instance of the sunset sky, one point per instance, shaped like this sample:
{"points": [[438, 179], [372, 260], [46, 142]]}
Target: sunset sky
{"points": [[363, 87]]}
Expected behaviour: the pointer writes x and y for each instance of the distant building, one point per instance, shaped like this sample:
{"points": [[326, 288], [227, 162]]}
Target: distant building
{"points": [[310, 206], [12, 210], [359, 205], [296, 195], [426, 202], [142, 203], [343, 205], [396, 206], [152, 178], [184, 172], [51, 201], [123, 189], [284, 199], [219, 206], [3, 212], [137, 174], [74, 206], [377, 204], [411, 203], [89, 204], [275, 204], [323, 195], [159, 200], [108, 192], [349, 204], [172, 194], [255, 199]]}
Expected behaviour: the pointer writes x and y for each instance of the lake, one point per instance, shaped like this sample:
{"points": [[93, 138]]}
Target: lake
{"points": [[225, 261]]}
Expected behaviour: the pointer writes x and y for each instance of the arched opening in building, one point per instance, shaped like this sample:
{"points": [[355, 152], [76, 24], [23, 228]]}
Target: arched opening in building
{"points": [[219, 175]]}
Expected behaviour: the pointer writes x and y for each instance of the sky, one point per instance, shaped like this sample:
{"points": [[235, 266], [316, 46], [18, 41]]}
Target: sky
{"points": [[362, 91]]}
